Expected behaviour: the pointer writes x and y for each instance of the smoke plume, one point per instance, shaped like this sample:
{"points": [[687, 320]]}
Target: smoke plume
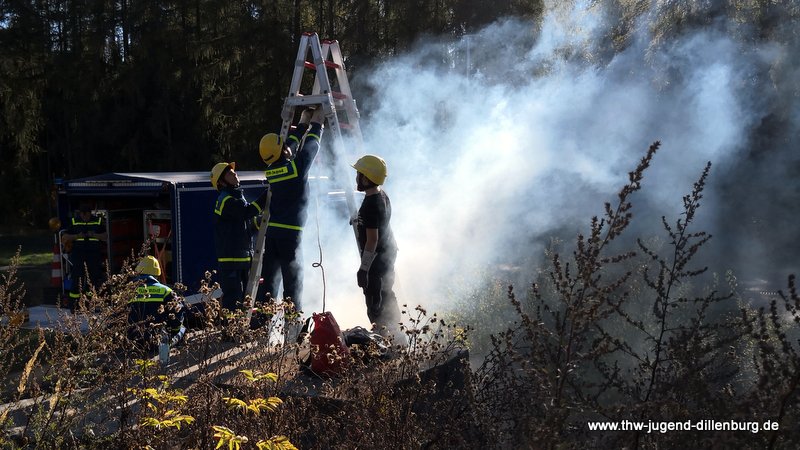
{"points": [[499, 140]]}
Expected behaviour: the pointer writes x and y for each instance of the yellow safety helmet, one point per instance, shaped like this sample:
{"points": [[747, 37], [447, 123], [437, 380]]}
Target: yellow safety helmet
{"points": [[149, 266], [373, 167], [218, 169], [270, 148], [54, 223]]}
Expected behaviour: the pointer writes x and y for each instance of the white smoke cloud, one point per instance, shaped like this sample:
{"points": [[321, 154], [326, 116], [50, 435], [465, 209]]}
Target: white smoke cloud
{"points": [[533, 137]]}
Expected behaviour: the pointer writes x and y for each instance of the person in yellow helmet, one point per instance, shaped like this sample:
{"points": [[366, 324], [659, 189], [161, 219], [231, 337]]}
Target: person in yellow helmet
{"points": [[155, 309], [288, 164], [378, 247], [232, 232]]}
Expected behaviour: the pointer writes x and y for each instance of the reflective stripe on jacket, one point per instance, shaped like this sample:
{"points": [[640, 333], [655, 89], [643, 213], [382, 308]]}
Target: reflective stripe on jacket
{"points": [[93, 225], [289, 182], [232, 233], [151, 304]]}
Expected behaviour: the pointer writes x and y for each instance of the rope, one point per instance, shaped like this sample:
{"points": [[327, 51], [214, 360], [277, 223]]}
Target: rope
{"points": [[319, 246]]}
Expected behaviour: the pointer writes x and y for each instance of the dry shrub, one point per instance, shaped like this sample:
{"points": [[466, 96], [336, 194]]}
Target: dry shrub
{"points": [[610, 334], [90, 387], [12, 317]]}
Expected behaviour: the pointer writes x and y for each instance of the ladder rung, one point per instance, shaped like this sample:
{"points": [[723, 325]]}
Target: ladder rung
{"points": [[317, 99], [339, 95], [328, 64]]}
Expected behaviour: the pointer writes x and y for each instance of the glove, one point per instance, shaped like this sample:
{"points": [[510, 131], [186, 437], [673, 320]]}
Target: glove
{"points": [[363, 280], [318, 116], [177, 338], [366, 262], [305, 116]]}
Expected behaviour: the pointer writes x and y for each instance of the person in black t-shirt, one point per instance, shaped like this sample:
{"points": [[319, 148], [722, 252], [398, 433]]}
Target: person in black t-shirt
{"points": [[377, 244]]}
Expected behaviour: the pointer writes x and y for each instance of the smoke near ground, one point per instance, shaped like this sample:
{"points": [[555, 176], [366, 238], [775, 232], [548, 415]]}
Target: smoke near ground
{"points": [[521, 131]]}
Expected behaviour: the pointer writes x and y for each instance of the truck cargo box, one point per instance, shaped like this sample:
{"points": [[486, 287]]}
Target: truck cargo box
{"points": [[170, 212]]}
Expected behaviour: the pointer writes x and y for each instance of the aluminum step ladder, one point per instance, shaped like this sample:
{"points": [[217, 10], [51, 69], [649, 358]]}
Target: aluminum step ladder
{"points": [[341, 121]]}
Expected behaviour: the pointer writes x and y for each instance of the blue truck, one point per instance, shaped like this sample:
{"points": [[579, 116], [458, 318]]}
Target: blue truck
{"points": [[165, 214]]}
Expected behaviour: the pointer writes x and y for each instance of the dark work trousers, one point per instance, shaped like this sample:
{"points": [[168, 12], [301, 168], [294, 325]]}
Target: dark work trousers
{"points": [[382, 308], [284, 257], [233, 283], [87, 268]]}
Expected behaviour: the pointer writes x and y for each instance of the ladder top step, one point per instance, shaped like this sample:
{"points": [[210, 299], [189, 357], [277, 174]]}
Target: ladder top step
{"points": [[328, 64], [339, 95], [306, 100]]}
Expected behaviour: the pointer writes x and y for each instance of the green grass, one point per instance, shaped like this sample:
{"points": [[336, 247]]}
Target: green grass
{"points": [[30, 259], [35, 248]]}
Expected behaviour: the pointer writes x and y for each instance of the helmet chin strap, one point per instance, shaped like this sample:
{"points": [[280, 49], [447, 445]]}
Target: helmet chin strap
{"points": [[224, 183], [363, 183], [360, 184]]}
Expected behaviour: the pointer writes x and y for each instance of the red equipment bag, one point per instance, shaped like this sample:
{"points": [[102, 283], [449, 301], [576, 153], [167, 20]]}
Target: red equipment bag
{"points": [[329, 354]]}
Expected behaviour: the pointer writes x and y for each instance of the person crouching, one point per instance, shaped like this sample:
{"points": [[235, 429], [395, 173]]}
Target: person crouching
{"points": [[155, 312]]}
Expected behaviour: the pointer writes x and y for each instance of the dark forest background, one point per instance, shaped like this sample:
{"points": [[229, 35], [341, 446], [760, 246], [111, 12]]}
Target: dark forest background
{"points": [[91, 86]]}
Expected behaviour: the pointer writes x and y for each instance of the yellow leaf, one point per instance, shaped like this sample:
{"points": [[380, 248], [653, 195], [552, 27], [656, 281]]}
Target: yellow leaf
{"points": [[274, 403], [271, 376], [258, 376], [222, 431], [276, 443], [152, 393], [144, 363], [177, 397], [152, 422], [222, 434], [234, 402], [23, 379]]}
